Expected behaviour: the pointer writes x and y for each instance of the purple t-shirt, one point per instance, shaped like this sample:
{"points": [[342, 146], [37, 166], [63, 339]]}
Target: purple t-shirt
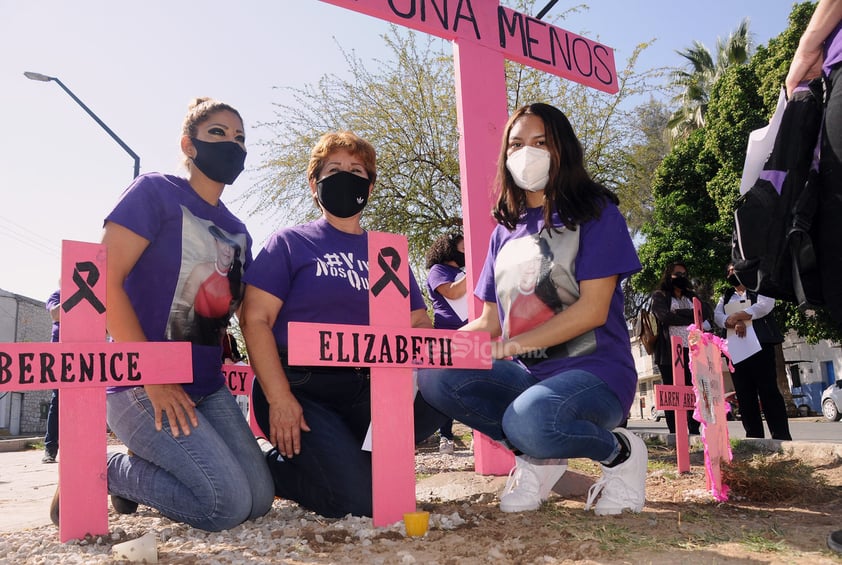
{"points": [[191, 244], [321, 275], [53, 301], [832, 49], [444, 316], [533, 274]]}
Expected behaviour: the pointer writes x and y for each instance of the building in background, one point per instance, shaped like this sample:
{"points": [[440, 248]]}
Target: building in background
{"points": [[23, 319]]}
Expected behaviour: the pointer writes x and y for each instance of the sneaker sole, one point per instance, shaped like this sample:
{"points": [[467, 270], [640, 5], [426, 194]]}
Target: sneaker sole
{"points": [[518, 507]]}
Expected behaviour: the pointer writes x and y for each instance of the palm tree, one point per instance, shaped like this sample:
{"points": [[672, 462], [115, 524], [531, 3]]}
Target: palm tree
{"points": [[695, 82]]}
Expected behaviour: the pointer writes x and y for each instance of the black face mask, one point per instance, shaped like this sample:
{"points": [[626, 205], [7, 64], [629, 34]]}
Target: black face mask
{"points": [[222, 161], [733, 280], [459, 258], [681, 282], [343, 194]]}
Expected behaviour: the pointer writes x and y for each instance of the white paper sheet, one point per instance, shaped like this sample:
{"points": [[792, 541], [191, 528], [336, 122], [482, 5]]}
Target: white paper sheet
{"points": [[741, 348], [760, 144], [460, 305], [367, 441]]}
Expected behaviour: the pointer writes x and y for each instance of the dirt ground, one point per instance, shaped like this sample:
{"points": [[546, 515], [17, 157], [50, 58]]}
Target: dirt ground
{"points": [[780, 511]]}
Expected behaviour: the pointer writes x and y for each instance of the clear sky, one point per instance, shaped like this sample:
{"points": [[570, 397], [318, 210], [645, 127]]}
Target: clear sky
{"points": [[137, 64]]}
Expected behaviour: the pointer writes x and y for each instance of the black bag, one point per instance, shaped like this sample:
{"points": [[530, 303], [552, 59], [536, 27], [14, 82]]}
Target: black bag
{"points": [[647, 330], [772, 246]]}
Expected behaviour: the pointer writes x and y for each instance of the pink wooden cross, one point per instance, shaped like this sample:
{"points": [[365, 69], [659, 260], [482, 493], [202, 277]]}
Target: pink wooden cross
{"points": [[240, 379], [706, 368], [484, 35], [81, 366], [680, 398], [392, 349]]}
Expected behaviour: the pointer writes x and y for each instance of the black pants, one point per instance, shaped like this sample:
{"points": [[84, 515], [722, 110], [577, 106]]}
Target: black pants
{"points": [[755, 378], [828, 225], [667, 378], [332, 474]]}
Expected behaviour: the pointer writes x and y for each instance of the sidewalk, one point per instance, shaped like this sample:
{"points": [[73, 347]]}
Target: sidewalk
{"points": [[27, 487]]}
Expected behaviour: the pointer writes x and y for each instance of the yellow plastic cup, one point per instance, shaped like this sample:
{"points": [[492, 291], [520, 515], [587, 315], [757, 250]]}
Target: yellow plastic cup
{"points": [[416, 523]]}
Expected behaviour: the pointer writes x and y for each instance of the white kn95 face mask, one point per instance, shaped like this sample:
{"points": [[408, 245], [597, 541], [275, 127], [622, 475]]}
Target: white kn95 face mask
{"points": [[530, 168]]}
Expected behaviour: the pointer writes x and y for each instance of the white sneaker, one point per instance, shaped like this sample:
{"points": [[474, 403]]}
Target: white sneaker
{"points": [[446, 446], [530, 484], [623, 487]]}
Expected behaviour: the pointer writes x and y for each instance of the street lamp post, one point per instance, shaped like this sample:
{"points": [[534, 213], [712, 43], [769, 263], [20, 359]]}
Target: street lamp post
{"points": [[45, 78]]}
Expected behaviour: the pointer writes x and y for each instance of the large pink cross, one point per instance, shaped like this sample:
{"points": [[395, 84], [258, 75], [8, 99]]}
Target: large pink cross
{"points": [[81, 366], [392, 349], [484, 35], [681, 399], [706, 368]]}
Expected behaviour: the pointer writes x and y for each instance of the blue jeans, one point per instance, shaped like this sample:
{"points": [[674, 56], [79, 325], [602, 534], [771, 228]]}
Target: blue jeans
{"points": [[332, 474], [213, 479], [568, 415], [51, 438]]}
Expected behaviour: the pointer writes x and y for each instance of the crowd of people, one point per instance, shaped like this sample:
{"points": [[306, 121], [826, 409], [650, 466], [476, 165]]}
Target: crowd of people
{"points": [[562, 379]]}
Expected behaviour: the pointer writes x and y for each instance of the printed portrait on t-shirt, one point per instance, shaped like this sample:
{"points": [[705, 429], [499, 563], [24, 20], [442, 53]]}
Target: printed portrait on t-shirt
{"points": [[535, 277], [209, 282]]}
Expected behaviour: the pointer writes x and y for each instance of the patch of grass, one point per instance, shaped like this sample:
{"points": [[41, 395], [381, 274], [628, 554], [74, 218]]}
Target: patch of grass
{"points": [[745, 448], [760, 542], [773, 479]]}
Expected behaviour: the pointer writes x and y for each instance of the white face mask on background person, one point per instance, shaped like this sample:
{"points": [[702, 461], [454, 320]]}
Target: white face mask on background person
{"points": [[530, 168]]}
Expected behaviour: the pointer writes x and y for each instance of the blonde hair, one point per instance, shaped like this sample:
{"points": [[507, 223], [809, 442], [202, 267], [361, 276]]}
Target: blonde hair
{"points": [[350, 142]]}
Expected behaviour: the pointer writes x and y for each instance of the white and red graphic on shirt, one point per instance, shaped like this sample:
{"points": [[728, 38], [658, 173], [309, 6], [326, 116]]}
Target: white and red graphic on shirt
{"points": [[209, 282]]}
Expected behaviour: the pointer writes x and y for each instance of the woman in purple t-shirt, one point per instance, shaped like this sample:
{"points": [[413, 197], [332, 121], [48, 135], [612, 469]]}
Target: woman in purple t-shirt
{"points": [[447, 286], [318, 272], [192, 455], [563, 377]]}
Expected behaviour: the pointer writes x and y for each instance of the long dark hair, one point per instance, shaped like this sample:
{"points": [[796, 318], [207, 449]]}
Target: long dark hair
{"points": [[666, 278], [545, 288], [570, 190]]}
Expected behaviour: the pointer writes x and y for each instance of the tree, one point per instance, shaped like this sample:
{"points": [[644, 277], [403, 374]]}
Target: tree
{"points": [[643, 158], [684, 219], [695, 84], [406, 107], [701, 177]]}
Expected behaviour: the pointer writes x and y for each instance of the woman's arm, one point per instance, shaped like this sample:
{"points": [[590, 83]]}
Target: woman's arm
{"points": [[809, 56], [588, 312], [453, 290], [420, 319], [258, 313], [124, 248], [488, 321]]}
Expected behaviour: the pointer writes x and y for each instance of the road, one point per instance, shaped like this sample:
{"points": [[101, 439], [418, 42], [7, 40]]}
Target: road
{"points": [[812, 429]]}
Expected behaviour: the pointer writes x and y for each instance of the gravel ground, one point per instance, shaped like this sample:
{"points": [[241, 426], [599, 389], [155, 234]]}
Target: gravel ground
{"points": [[287, 534]]}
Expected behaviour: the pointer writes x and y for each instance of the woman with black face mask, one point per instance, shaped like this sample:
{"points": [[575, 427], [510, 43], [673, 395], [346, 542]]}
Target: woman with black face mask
{"points": [[316, 418], [672, 306], [755, 378], [193, 456]]}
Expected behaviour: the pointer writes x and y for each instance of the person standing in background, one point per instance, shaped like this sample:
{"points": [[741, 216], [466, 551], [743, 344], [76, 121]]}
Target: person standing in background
{"points": [[672, 306], [447, 286], [51, 438], [755, 378]]}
